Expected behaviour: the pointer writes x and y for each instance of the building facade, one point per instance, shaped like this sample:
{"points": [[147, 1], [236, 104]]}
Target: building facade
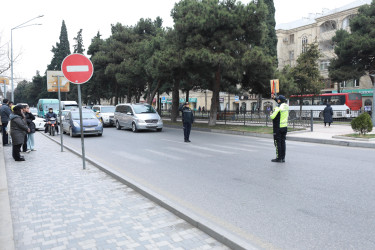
{"points": [[321, 28]]}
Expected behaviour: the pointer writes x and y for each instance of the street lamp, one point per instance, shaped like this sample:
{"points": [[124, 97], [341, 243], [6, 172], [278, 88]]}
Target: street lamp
{"points": [[11, 47]]}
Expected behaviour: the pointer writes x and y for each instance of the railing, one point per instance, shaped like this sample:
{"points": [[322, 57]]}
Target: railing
{"points": [[298, 119]]}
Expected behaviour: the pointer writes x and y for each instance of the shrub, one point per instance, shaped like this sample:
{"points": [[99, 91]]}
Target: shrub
{"points": [[362, 124]]}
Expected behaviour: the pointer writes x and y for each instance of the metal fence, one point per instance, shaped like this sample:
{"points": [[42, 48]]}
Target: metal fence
{"points": [[299, 119]]}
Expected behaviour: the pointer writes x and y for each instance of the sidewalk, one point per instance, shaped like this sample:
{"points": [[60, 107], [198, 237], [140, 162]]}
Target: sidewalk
{"points": [[55, 204], [331, 135]]}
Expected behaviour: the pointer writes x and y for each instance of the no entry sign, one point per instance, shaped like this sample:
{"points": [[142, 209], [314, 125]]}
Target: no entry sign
{"points": [[77, 68]]}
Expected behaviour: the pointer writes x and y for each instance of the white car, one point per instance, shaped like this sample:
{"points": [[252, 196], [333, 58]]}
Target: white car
{"points": [[39, 123], [106, 113]]}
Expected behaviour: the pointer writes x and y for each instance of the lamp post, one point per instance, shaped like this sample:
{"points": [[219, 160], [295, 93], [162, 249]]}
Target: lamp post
{"points": [[11, 46]]}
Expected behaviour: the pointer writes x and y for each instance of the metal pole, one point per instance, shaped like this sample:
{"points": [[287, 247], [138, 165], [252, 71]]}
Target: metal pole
{"points": [[373, 106], [311, 120], [81, 125], [11, 62], [61, 129]]}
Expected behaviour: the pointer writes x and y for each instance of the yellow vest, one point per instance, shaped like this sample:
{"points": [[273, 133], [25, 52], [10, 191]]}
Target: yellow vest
{"points": [[284, 113]]}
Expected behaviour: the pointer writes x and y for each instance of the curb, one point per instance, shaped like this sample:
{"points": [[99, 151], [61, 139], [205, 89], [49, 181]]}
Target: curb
{"points": [[288, 137], [6, 224], [230, 240]]}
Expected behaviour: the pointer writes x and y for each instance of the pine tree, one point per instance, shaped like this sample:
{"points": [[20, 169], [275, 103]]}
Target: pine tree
{"points": [[78, 47], [61, 50], [271, 38]]}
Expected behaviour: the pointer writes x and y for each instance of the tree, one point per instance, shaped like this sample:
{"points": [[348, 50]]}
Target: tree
{"points": [[215, 37], [78, 47], [61, 50], [306, 73], [356, 50], [271, 38]]}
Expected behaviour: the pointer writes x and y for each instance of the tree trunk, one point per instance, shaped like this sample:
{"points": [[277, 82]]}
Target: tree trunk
{"points": [[175, 100], [215, 99], [153, 93]]}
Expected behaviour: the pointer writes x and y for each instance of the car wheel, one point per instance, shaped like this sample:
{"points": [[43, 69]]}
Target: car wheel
{"points": [[118, 127], [70, 132], [159, 129], [134, 127], [100, 134]]}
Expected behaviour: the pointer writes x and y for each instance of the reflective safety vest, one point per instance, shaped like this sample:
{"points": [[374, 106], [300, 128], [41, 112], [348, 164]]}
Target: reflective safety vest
{"points": [[283, 110]]}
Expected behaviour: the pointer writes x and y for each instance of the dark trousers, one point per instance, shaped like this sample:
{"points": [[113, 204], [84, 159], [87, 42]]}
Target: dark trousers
{"points": [[4, 131], [279, 140], [187, 129], [24, 145], [16, 149]]}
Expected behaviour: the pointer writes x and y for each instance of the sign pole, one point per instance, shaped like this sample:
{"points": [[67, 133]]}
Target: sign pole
{"points": [[61, 131], [81, 126], [5, 92], [78, 69]]}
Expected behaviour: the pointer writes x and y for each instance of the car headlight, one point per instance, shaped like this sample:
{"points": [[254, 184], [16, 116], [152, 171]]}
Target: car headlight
{"points": [[140, 121], [76, 124]]}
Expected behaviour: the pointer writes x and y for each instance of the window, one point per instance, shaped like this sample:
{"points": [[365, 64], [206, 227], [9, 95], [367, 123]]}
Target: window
{"points": [[328, 84], [291, 38], [324, 65], [350, 83], [304, 44], [328, 26], [346, 21], [291, 55]]}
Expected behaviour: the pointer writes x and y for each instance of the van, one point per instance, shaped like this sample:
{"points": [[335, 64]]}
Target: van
{"points": [[44, 104], [68, 105], [136, 117]]}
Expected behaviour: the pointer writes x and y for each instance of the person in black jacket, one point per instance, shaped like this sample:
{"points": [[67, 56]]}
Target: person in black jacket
{"points": [[187, 120], [18, 130], [49, 115], [30, 136], [5, 112]]}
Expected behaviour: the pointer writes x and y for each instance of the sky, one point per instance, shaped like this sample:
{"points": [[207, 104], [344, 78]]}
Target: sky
{"points": [[32, 45]]}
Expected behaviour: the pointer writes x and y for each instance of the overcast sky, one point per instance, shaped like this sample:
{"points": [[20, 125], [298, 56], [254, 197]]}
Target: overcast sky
{"points": [[33, 44]]}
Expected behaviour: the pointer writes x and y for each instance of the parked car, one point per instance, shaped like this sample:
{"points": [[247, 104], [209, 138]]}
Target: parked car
{"points": [[91, 124], [34, 111], [137, 117], [63, 113], [39, 123], [106, 113]]}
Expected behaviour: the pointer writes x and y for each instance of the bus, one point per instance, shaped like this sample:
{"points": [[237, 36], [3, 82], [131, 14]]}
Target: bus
{"points": [[44, 104], [344, 105]]}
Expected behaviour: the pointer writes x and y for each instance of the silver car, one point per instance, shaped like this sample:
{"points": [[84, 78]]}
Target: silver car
{"points": [[106, 113], [137, 117]]}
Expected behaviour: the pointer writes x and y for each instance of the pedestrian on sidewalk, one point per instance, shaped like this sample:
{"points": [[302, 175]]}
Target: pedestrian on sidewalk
{"points": [[18, 131], [187, 120], [30, 123], [280, 127], [24, 145], [328, 113], [5, 114]]}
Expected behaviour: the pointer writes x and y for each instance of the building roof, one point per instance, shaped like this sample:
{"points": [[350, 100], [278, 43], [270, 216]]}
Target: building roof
{"points": [[312, 17]]}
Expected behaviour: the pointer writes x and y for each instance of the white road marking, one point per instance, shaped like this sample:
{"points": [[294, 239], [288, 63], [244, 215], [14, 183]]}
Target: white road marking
{"points": [[183, 150], [164, 154]]}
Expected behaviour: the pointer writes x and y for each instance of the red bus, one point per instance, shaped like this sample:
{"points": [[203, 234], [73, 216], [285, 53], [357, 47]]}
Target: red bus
{"points": [[344, 105]]}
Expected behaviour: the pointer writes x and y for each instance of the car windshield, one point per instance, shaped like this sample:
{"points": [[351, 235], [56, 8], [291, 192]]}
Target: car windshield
{"points": [[63, 113], [140, 109], [108, 110], [85, 115], [54, 106], [69, 107]]}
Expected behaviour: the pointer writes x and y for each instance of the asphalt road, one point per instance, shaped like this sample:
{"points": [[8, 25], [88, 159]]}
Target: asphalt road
{"points": [[321, 198]]}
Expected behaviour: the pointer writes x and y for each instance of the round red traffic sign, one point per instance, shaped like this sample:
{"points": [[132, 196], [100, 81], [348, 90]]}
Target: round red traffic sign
{"points": [[77, 68]]}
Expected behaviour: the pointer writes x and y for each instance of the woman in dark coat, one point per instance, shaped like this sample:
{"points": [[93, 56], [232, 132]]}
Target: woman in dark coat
{"points": [[328, 113], [18, 130]]}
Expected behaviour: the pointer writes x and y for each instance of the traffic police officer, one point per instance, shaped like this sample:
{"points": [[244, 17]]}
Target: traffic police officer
{"points": [[280, 127]]}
